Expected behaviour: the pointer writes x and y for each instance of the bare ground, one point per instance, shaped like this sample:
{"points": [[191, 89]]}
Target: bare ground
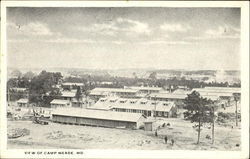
{"points": [[61, 136]]}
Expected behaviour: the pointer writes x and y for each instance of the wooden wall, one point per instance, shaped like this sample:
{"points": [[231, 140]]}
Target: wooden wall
{"points": [[93, 122]]}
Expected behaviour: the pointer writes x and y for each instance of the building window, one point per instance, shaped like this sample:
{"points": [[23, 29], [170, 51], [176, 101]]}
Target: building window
{"points": [[149, 113], [162, 113]]}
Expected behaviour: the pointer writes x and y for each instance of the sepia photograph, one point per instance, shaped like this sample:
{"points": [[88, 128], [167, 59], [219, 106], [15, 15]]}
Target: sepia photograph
{"points": [[123, 78]]}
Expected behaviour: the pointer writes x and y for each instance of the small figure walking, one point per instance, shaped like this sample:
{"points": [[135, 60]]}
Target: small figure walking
{"points": [[156, 133], [172, 142], [163, 125], [166, 139]]}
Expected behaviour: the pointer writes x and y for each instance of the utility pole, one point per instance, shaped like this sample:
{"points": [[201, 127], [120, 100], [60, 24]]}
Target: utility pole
{"points": [[213, 125], [236, 112], [86, 101], [155, 107], [28, 96], [8, 96], [236, 99]]}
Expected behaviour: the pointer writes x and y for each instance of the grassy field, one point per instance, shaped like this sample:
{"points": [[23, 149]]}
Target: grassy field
{"points": [[85, 137]]}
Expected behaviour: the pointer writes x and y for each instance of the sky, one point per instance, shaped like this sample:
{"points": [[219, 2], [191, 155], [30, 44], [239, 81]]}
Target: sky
{"points": [[118, 38]]}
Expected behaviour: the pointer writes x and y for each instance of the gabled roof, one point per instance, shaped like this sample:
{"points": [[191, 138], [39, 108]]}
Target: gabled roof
{"points": [[96, 93], [72, 84], [218, 90], [113, 90], [59, 101], [181, 91], [211, 97], [168, 95], [223, 92], [98, 114], [146, 88], [138, 105], [224, 88]]}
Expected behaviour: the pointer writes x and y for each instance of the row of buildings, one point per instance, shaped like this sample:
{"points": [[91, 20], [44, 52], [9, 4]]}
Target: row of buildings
{"points": [[136, 104], [222, 95]]}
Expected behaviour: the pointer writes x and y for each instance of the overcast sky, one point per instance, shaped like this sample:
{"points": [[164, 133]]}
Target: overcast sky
{"points": [[113, 38]]}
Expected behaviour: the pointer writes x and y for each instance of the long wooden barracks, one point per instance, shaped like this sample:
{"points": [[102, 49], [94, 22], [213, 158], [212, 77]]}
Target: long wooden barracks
{"points": [[100, 118]]}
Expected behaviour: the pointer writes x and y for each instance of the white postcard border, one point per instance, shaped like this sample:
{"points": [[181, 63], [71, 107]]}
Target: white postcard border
{"points": [[19, 153]]}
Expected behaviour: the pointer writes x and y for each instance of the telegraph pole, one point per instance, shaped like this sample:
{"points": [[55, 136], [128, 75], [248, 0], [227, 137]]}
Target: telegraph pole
{"points": [[28, 96], [155, 107], [8, 96], [236, 112], [213, 125], [236, 99]]}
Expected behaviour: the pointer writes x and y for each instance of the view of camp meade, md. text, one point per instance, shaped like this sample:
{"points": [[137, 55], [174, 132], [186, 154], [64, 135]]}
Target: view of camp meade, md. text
{"points": [[139, 78]]}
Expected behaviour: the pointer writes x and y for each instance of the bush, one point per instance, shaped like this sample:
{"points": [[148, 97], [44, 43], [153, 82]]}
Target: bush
{"points": [[224, 115]]}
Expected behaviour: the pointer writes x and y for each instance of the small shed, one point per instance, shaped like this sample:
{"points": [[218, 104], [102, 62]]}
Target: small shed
{"points": [[23, 102], [148, 125]]}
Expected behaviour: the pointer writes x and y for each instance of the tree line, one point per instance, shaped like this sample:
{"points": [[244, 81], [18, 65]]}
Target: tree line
{"points": [[41, 88]]}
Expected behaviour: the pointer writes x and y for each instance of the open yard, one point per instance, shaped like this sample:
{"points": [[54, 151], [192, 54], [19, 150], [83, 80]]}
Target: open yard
{"points": [[85, 137]]}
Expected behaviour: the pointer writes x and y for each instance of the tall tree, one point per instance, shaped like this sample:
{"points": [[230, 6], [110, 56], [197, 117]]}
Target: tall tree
{"points": [[16, 73], [23, 82], [43, 86], [48, 97], [79, 96], [236, 99], [198, 110], [152, 75], [29, 75]]}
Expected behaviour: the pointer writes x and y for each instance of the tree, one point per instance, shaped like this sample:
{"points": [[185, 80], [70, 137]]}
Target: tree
{"points": [[236, 99], [23, 82], [152, 75], [16, 73], [213, 118], [29, 75], [12, 82], [79, 96], [198, 110], [13, 95], [42, 86], [48, 97], [135, 75], [20, 82]]}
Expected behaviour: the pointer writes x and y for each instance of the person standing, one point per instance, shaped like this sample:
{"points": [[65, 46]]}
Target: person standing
{"points": [[166, 139], [172, 142]]}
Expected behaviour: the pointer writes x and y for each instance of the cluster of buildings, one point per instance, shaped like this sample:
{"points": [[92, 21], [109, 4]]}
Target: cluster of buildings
{"points": [[126, 107], [225, 96], [132, 105]]}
